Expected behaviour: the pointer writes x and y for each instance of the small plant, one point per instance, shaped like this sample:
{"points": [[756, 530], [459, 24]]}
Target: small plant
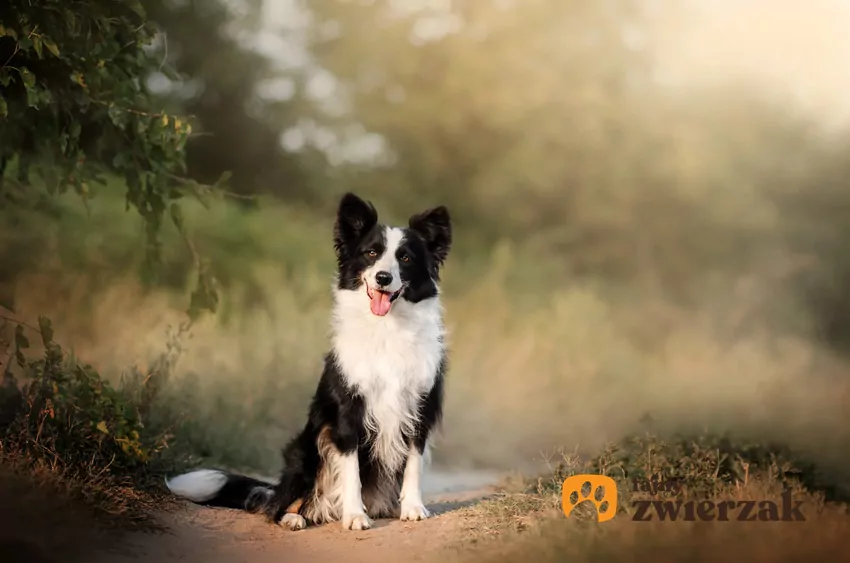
{"points": [[62, 419]]}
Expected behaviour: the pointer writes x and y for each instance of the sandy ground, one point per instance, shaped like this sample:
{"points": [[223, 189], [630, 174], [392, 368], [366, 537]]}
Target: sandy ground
{"points": [[209, 535]]}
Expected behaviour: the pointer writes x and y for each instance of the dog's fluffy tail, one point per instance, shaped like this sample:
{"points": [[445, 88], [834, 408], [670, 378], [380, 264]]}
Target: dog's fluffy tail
{"points": [[212, 487]]}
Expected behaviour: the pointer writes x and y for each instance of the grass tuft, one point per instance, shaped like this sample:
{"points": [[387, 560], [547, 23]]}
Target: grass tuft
{"points": [[527, 519]]}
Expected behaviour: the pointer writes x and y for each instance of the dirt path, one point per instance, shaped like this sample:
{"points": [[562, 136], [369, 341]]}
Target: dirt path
{"points": [[200, 534]]}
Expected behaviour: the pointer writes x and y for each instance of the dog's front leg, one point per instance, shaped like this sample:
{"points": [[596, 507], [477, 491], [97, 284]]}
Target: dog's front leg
{"points": [[353, 511], [412, 507], [346, 439]]}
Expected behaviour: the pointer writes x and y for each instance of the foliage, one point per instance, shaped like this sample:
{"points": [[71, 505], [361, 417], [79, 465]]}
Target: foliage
{"points": [[74, 107], [60, 414]]}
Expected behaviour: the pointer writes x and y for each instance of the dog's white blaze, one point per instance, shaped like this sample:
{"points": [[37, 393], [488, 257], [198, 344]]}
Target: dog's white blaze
{"points": [[197, 486], [388, 261], [391, 361]]}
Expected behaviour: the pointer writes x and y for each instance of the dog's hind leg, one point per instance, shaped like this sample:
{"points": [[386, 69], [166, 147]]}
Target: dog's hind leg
{"points": [[341, 490], [296, 482], [292, 519], [338, 491], [338, 445]]}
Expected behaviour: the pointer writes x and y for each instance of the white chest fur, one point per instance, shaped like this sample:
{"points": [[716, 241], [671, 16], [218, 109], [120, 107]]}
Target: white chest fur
{"points": [[391, 361]]}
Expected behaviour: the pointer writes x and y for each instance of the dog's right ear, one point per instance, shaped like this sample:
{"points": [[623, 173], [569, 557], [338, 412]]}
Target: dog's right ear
{"points": [[354, 218]]}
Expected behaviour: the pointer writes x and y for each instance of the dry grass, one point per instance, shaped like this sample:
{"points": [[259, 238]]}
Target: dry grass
{"points": [[119, 503], [822, 537], [52, 508], [526, 520], [578, 366]]}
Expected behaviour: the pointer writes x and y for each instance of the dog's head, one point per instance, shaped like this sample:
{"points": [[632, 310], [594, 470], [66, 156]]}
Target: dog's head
{"points": [[389, 263]]}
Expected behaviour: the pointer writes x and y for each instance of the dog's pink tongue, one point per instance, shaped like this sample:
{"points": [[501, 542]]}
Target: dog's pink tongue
{"points": [[380, 303]]}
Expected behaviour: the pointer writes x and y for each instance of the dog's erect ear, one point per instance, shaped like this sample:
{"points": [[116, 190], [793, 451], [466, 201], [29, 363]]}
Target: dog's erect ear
{"points": [[435, 226], [354, 218]]}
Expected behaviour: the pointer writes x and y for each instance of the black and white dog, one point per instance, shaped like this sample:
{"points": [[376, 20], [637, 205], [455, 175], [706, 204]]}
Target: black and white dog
{"points": [[362, 452]]}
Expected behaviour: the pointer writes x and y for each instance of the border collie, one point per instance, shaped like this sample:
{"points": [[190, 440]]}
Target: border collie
{"points": [[363, 449]]}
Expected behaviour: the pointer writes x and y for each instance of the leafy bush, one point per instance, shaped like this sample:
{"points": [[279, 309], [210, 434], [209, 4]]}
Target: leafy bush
{"points": [[63, 416], [73, 106], [75, 109]]}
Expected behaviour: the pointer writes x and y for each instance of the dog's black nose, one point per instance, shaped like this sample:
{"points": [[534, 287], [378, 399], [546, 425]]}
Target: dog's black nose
{"points": [[384, 278]]}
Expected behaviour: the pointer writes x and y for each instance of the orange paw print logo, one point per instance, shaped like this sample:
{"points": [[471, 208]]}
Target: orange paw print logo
{"points": [[578, 489]]}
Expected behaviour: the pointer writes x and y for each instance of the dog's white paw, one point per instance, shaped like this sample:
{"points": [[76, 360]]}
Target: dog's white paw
{"points": [[356, 521], [414, 512], [293, 522]]}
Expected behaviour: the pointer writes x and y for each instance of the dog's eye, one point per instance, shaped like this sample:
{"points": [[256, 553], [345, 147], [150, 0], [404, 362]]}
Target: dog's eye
{"points": [[371, 253], [405, 258]]}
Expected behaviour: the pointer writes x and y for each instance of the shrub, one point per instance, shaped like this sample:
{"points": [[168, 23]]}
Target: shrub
{"points": [[64, 424]]}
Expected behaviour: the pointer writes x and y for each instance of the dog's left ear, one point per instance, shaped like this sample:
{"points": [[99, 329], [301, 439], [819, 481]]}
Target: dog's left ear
{"points": [[435, 226]]}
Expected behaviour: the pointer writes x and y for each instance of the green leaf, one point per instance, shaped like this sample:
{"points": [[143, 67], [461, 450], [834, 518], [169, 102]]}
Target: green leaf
{"points": [[117, 116], [204, 297], [36, 43], [27, 77], [51, 45], [223, 179], [142, 124], [32, 98], [45, 327], [137, 7], [77, 77]]}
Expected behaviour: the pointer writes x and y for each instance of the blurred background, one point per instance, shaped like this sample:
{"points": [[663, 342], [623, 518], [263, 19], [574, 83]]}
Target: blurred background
{"points": [[650, 203]]}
